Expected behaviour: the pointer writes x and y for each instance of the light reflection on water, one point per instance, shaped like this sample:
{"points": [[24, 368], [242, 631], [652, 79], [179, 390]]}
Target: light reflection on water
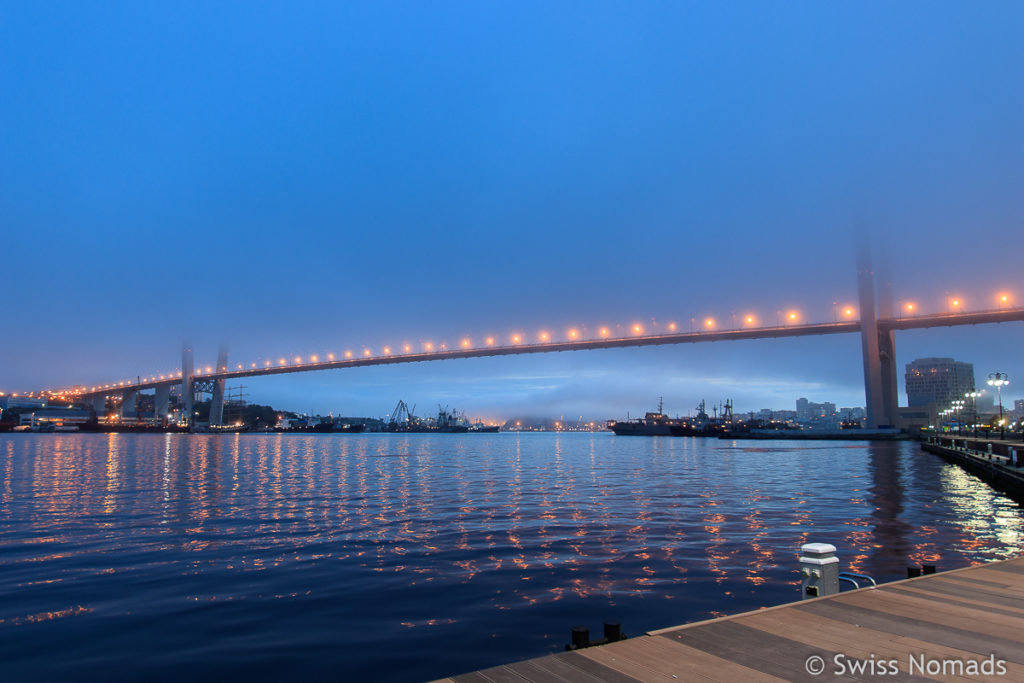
{"points": [[415, 556]]}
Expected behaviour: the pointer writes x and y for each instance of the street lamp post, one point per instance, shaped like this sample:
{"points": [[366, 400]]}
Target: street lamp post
{"points": [[997, 380], [973, 395], [958, 405]]}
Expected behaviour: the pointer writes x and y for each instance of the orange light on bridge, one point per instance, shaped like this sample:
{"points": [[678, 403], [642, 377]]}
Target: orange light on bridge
{"points": [[330, 356], [490, 341], [253, 365], [573, 334], [266, 363], [283, 361], [428, 346], [792, 317], [366, 352], [638, 329], [1003, 299], [848, 311], [516, 339], [709, 323], [348, 354], [955, 304], [909, 307], [298, 360], [407, 348], [314, 359], [604, 332], [671, 327], [465, 343], [545, 337]]}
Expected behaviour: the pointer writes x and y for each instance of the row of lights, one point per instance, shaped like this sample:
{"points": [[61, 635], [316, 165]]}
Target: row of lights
{"points": [[749, 320]]}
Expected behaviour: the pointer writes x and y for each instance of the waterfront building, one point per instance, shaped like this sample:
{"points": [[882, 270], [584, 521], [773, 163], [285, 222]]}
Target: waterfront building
{"points": [[937, 380], [807, 411]]}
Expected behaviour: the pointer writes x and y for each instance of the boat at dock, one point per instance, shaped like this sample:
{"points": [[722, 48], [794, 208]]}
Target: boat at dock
{"points": [[651, 424], [403, 419]]}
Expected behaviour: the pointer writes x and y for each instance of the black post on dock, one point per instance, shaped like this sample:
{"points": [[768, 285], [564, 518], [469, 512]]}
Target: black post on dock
{"points": [[913, 572], [580, 638]]}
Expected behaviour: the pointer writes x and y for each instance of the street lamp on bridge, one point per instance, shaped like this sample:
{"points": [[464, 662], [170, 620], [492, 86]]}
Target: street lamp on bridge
{"points": [[997, 380]]}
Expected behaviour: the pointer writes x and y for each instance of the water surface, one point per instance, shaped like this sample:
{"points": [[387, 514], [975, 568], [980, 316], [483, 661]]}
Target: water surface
{"points": [[410, 557]]}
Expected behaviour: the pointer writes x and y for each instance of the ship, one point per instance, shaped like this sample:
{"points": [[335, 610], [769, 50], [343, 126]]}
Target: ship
{"points": [[652, 424], [704, 424], [403, 419]]}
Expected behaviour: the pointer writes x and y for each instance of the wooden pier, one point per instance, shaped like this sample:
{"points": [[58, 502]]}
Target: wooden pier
{"points": [[966, 624], [999, 462]]}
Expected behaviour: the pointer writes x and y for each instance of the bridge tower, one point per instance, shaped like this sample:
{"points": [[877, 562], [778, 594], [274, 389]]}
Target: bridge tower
{"points": [[878, 347], [217, 398], [187, 370]]}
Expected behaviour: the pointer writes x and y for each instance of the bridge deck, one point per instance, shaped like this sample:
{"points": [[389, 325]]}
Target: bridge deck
{"points": [[962, 615]]}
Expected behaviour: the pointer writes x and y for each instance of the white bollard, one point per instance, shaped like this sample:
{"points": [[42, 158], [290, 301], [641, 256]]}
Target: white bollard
{"points": [[819, 570]]}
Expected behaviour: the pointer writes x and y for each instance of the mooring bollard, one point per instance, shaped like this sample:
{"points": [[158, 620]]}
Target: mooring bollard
{"points": [[913, 572], [612, 631], [819, 570], [580, 638], [928, 568]]}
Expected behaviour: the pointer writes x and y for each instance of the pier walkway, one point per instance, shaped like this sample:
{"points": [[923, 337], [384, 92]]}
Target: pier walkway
{"points": [[997, 461], [965, 624]]}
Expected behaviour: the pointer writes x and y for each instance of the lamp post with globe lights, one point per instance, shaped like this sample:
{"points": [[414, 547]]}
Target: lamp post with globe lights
{"points": [[958, 406], [999, 380], [973, 395]]}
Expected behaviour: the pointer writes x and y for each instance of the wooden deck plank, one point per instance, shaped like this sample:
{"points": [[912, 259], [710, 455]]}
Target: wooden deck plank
{"points": [[558, 667], [950, 636], [976, 619], [502, 674], [764, 652], [1009, 566], [863, 642], [960, 602], [827, 636], [651, 658], [591, 666], [962, 591]]}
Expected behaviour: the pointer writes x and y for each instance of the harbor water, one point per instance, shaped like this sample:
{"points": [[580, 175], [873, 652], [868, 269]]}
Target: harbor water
{"points": [[404, 557]]}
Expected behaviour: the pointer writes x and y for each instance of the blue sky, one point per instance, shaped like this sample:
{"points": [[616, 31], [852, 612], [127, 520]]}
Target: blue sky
{"points": [[298, 178]]}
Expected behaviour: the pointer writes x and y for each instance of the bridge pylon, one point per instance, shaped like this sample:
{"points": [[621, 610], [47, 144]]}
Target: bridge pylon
{"points": [[878, 347], [217, 398], [187, 370]]}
